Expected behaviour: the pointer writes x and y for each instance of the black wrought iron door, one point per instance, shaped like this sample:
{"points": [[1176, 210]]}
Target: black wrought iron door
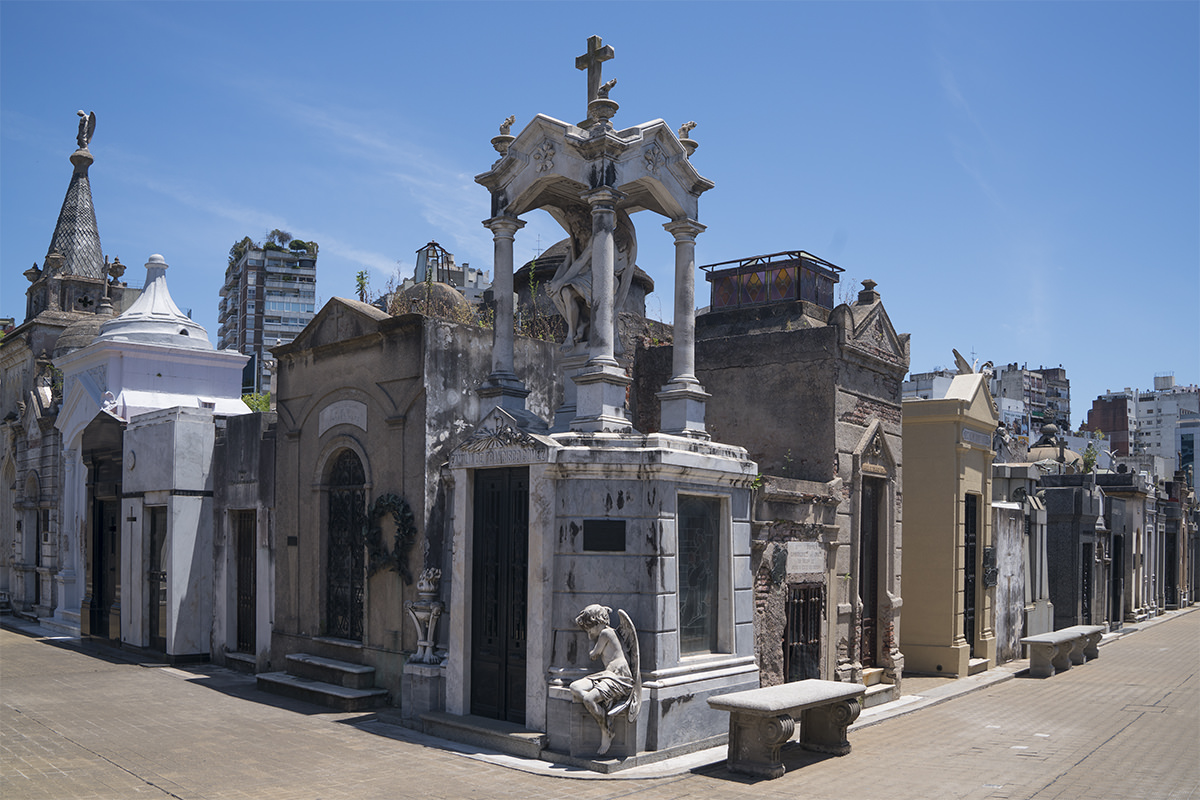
{"points": [[868, 569], [345, 570], [802, 638], [244, 524], [970, 572], [500, 585]]}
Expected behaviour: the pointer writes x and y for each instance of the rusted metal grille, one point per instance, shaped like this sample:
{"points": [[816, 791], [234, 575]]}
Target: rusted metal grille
{"points": [[802, 635]]}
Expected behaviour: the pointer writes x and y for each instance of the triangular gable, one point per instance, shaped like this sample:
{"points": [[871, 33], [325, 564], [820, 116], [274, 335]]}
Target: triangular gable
{"points": [[869, 330], [501, 440], [972, 390], [338, 320], [874, 455]]}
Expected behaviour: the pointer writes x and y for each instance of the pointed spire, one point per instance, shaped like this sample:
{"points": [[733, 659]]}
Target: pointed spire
{"points": [[75, 235]]}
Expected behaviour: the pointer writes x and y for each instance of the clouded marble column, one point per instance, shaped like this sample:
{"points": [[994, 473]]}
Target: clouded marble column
{"points": [[682, 400], [601, 384], [503, 388]]}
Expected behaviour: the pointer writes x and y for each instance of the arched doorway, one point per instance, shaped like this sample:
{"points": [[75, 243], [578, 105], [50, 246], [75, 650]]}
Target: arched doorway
{"points": [[345, 570]]}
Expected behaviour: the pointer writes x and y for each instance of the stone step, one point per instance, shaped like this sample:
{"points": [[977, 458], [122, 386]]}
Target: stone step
{"points": [[331, 695], [241, 662], [872, 676], [878, 694], [494, 734], [977, 665], [330, 670]]}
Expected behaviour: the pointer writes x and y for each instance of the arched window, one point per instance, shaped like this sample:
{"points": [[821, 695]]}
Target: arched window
{"points": [[345, 568]]}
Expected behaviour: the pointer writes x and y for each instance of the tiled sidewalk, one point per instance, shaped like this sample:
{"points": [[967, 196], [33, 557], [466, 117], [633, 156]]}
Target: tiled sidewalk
{"points": [[84, 725]]}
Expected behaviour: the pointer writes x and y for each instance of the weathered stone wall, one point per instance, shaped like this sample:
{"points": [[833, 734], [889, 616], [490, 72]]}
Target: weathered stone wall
{"points": [[1008, 533], [400, 393], [244, 480]]}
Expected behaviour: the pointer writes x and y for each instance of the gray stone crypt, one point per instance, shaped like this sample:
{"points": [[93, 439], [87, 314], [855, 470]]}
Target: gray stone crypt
{"points": [[548, 517]]}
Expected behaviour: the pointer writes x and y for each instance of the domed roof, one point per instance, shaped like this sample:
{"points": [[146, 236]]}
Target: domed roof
{"points": [[154, 318], [79, 333], [431, 297], [1052, 448]]}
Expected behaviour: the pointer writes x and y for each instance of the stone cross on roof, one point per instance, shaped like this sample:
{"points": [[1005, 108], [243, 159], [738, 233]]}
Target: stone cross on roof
{"points": [[596, 55]]}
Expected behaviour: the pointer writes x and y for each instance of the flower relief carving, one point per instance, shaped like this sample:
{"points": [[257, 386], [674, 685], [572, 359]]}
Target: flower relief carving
{"points": [[654, 158], [544, 155]]}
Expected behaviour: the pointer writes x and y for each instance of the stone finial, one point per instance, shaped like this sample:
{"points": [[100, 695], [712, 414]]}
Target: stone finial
{"points": [[597, 53], [33, 273], [685, 139], [868, 295], [501, 143]]}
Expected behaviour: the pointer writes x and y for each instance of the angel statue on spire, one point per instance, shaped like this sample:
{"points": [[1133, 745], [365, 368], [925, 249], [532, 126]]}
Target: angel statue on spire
{"points": [[617, 688], [87, 128]]}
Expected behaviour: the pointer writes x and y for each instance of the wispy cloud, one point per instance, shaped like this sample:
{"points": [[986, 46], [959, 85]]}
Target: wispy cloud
{"points": [[968, 155]]}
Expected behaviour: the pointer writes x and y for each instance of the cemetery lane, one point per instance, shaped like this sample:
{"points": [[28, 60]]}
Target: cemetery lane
{"points": [[82, 723]]}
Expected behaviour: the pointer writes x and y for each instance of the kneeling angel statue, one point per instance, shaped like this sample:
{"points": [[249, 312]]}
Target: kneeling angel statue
{"points": [[618, 688]]}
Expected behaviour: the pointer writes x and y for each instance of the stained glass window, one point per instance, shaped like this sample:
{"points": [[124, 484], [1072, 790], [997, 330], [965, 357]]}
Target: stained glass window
{"points": [[699, 529]]}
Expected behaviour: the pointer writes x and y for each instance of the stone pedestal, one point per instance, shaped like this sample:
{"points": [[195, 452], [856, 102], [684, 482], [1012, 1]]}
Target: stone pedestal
{"points": [[422, 689], [583, 734], [600, 400]]}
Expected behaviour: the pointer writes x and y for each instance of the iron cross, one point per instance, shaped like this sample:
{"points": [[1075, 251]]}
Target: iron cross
{"points": [[591, 61]]}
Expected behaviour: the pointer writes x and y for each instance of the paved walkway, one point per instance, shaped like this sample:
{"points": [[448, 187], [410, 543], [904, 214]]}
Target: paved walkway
{"points": [[80, 723]]}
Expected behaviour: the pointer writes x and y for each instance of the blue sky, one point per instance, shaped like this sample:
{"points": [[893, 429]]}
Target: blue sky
{"points": [[1021, 179]]}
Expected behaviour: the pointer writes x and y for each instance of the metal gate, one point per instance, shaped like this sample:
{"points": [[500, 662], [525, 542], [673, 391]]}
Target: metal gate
{"points": [[346, 563], [970, 551], [244, 525], [802, 635]]}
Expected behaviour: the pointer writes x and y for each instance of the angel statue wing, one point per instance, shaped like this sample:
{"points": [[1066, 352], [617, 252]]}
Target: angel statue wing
{"points": [[628, 636], [87, 128]]}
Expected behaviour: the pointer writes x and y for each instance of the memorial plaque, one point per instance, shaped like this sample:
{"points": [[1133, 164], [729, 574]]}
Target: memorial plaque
{"points": [[805, 557]]}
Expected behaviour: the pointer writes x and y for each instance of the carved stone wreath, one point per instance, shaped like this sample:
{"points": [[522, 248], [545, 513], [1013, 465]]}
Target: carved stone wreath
{"points": [[406, 533]]}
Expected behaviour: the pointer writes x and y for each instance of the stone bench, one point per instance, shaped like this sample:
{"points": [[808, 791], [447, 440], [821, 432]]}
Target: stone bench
{"points": [[761, 720], [1088, 642], [1058, 650]]}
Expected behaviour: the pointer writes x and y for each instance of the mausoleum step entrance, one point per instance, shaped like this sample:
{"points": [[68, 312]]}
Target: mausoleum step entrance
{"points": [[325, 681]]}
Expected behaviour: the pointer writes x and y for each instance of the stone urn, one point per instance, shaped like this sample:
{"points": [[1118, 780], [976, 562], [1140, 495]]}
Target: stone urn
{"points": [[425, 611]]}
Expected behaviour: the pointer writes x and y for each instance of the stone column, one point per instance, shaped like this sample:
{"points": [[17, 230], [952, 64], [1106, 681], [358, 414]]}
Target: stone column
{"points": [[601, 384], [682, 400], [503, 388], [600, 333]]}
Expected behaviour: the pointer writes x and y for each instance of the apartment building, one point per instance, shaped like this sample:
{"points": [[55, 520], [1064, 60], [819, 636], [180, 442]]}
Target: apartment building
{"points": [[268, 297]]}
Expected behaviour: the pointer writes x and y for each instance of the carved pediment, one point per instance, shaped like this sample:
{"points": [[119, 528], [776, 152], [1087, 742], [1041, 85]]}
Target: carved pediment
{"points": [[499, 439], [869, 330], [873, 454]]}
